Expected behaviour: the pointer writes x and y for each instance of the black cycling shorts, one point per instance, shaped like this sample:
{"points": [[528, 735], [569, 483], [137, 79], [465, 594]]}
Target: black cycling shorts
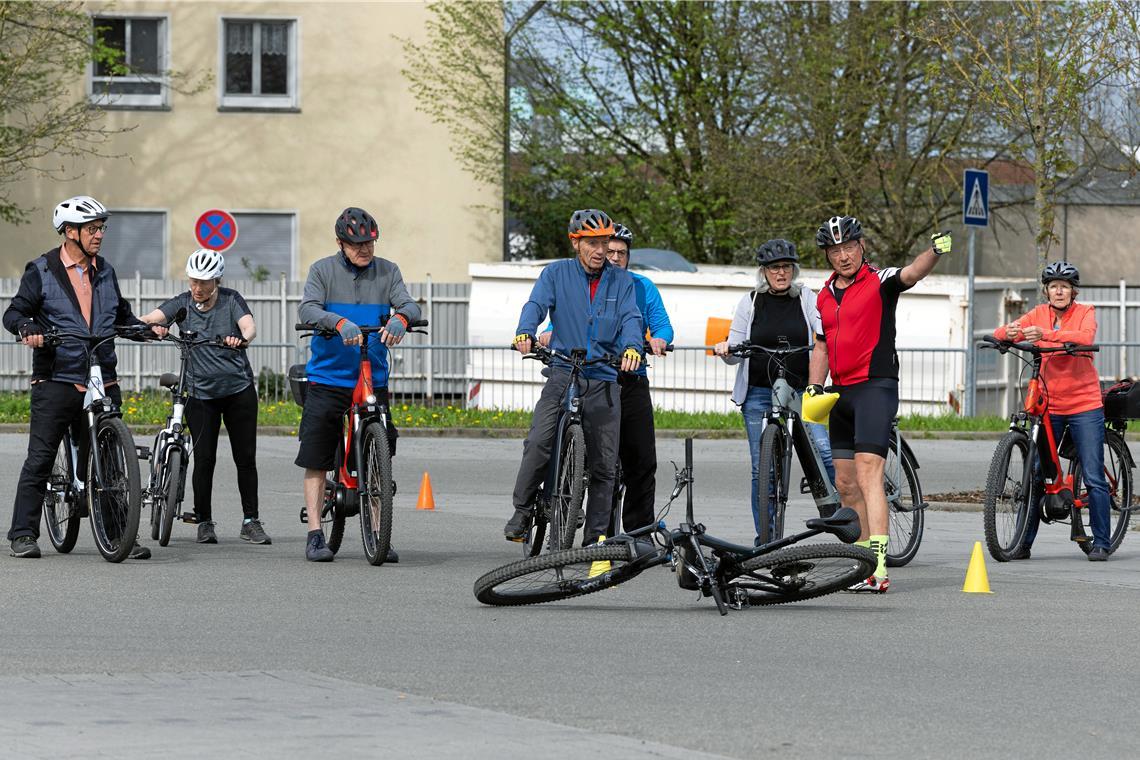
{"points": [[322, 425], [861, 420]]}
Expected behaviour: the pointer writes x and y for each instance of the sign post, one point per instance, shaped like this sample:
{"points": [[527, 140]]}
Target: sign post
{"points": [[216, 229], [975, 213]]}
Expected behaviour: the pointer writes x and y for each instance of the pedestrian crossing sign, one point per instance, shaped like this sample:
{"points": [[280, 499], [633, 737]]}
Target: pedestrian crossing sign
{"points": [[976, 198]]}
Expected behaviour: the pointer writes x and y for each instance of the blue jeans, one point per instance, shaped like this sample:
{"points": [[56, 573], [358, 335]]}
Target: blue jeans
{"points": [[756, 406], [1087, 432]]}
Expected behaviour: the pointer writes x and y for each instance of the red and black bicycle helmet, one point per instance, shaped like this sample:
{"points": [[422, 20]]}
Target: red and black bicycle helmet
{"points": [[355, 225]]}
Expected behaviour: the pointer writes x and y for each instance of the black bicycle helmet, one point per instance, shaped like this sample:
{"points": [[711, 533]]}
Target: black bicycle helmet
{"points": [[624, 234], [837, 230], [590, 222], [776, 250], [356, 225], [1061, 270]]}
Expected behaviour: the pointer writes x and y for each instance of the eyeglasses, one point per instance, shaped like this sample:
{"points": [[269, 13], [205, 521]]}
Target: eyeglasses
{"points": [[851, 246], [95, 229], [367, 245], [781, 267]]}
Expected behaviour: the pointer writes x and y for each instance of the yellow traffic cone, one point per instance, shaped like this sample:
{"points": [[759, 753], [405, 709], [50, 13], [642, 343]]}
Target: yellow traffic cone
{"points": [[977, 580]]}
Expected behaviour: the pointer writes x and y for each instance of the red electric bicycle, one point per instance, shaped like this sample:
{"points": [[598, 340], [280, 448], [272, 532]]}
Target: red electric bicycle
{"points": [[362, 476], [1026, 468]]}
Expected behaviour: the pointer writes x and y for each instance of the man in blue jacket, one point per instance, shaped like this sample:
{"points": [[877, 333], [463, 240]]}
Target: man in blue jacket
{"points": [[592, 305], [351, 286], [637, 449]]}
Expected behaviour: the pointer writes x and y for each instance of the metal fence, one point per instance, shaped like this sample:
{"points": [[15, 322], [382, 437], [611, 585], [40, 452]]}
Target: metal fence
{"points": [[445, 369]]}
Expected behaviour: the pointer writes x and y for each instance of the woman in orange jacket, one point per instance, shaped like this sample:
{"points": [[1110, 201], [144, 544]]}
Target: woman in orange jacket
{"points": [[1074, 391]]}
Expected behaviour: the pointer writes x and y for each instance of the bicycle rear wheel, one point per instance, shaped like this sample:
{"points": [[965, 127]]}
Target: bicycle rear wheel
{"points": [[168, 497], [571, 486], [1118, 473], [115, 502], [796, 573], [61, 512], [376, 494], [773, 443], [555, 576], [1011, 490], [904, 508]]}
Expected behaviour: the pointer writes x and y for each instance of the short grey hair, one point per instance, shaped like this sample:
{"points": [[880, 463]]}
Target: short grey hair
{"points": [[762, 285]]}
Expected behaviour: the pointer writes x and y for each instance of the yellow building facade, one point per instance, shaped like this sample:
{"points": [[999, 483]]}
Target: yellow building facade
{"points": [[303, 111]]}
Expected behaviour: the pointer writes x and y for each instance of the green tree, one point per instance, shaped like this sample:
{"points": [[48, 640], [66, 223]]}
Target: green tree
{"points": [[1039, 69]]}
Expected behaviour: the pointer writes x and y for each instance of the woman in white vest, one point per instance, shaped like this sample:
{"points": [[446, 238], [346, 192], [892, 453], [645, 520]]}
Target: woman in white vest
{"points": [[779, 308]]}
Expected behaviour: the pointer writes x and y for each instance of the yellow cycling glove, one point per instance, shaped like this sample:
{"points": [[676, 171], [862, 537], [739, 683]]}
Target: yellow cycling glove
{"points": [[632, 353], [940, 242]]}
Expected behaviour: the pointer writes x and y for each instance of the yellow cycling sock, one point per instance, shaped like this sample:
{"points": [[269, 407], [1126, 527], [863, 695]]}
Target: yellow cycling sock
{"points": [[865, 543], [599, 566], [879, 546]]}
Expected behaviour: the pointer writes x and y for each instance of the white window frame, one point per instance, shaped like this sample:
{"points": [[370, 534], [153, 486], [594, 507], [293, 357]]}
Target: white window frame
{"points": [[294, 228], [166, 269], [291, 101], [133, 101]]}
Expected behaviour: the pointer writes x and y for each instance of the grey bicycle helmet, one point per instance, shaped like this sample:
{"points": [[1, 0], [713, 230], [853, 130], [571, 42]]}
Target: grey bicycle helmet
{"points": [[1061, 270], [356, 225], [590, 222], [624, 234], [837, 230], [776, 250]]}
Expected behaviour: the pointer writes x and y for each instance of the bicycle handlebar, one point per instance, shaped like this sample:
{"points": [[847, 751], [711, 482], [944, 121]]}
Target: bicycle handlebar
{"points": [[364, 329], [746, 348], [1003, 346]]}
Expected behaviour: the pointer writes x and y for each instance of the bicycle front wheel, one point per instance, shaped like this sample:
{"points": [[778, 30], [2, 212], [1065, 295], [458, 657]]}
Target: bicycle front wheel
{"points": [[376, 494], [61, 513], [169, 502], [1011, 490], [571, 486], [1118, 473], [555, 576], [905, 513], [796, 573], [773, 443], [114, 503]]}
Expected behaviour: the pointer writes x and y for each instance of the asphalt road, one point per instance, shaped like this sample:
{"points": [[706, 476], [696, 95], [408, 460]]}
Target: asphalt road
{"points": [[250, 651]]}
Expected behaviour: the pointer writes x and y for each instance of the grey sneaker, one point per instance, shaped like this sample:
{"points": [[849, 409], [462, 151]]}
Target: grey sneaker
{"points": [[25, 547], [139, 552], [206, 534], [252, 531], [316, 550]]}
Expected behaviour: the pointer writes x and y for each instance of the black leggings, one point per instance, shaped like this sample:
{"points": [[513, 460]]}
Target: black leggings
{"points": [[205, 418]]}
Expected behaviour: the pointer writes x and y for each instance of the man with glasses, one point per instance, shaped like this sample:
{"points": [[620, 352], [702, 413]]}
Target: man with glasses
{"points": [[857, 308], [70, 288], [350, 287]]}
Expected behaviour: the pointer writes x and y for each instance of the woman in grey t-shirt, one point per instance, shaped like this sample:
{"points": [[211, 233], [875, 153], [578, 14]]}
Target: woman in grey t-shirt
{"points": [[221, 389]]}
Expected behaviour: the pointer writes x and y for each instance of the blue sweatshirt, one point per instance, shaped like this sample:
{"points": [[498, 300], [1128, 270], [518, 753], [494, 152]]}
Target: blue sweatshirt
{"points": [[608, 324]]}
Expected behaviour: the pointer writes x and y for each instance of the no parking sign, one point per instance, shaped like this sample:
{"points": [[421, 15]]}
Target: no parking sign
{"points": [[216, 229]]}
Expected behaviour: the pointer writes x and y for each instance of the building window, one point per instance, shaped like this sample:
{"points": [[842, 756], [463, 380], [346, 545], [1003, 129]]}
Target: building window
{"points": [[135, 241], [137, 78], [259, 64], [264, 246]]}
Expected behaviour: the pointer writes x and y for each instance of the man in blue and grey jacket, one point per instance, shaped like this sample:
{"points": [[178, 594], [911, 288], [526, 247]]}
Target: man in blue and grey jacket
{"points": [[350, 287], [592, 305]]}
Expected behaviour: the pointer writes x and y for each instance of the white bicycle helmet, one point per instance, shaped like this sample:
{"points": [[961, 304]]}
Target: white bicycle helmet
{"points": [[205, 264], [78, 210]]}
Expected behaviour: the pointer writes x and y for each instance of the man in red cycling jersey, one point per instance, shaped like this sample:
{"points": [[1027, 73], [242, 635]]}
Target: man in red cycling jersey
{"points": [[857, 308]]}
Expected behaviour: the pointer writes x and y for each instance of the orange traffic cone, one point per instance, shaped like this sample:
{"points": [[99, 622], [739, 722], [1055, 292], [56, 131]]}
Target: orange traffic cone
{"points": [[426, 499]]}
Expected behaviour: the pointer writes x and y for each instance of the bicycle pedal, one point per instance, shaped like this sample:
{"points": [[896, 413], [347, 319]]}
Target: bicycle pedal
{"points": [[143, 452], [805, 486], [189, 518], [304, 516]]}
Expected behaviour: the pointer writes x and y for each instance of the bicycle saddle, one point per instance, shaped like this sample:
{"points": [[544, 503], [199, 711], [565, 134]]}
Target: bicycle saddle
{"points": [[844, 525]]}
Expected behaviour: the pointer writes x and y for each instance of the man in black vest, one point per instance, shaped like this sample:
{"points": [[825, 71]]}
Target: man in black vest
{"points": [[70, 288]]}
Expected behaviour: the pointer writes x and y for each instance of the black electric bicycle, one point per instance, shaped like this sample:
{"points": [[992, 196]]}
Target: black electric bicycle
{"points": [[556, 512], [785, 434], [362, 480], [96, 472], [735, 576]]}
